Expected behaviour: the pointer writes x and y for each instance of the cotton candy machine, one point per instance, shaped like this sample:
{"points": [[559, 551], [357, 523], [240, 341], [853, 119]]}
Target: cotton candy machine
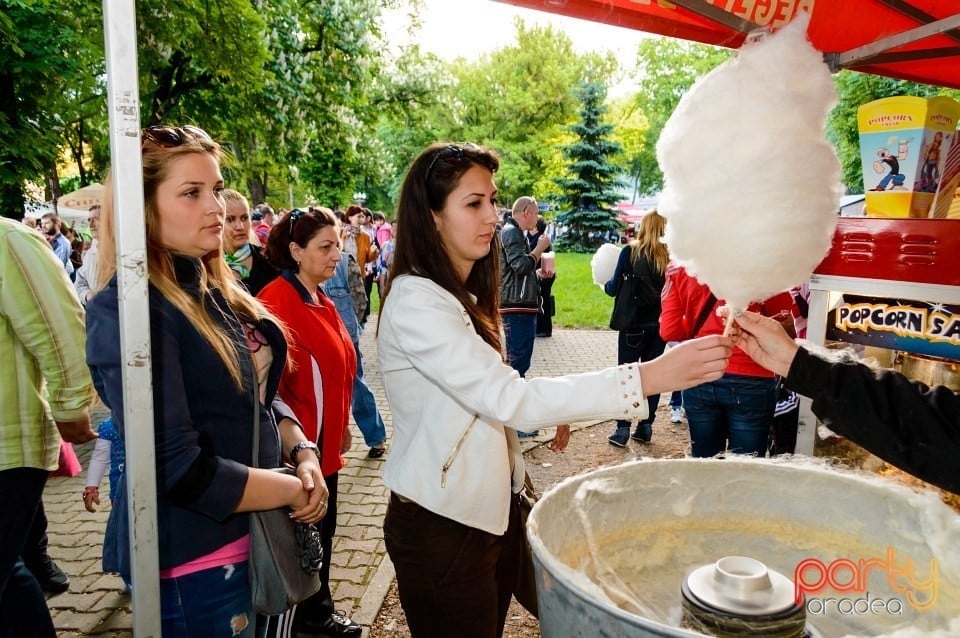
{"points": [[657, 547]]}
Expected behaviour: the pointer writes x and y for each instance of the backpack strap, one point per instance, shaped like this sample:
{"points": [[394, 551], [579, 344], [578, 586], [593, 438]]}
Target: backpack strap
{"points": [[704, 314]]}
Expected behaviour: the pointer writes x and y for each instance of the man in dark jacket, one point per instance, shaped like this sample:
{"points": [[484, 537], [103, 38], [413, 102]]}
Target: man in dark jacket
{"points": [[519, 287]]}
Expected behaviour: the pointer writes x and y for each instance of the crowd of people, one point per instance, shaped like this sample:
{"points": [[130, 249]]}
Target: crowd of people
{"points": [[255, 319]]}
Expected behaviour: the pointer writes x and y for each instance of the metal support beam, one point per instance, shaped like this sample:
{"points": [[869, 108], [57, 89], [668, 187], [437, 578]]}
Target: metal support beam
{"points": [[706, 10], [911, 56], [123, 108], [922, 17], [863, 55]]}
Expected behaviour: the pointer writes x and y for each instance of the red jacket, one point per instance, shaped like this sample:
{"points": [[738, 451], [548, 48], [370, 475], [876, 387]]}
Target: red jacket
{"points": [[319, 342], [682, 300]]}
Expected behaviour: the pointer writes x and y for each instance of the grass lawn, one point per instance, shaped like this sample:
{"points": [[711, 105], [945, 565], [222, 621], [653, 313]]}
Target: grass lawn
{"points": [[580, 302]]}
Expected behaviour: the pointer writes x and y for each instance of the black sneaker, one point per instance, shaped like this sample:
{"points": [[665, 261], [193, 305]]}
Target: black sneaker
{"points": [[336, 626], [51, 578], [643, 433], [619, 438]]}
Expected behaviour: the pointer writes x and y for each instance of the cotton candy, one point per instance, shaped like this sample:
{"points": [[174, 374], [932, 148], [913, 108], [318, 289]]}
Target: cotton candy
{"points": [[751, 184], [604, 263]]}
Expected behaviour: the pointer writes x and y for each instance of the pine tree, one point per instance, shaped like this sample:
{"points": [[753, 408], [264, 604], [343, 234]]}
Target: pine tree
{"points": [[588, 194]]}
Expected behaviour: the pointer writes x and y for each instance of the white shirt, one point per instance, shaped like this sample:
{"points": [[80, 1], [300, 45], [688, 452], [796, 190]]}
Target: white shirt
{"points": [[456, 406]]}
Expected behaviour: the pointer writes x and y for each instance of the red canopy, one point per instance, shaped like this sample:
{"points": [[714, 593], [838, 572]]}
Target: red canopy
{"points": [[917, 40]]}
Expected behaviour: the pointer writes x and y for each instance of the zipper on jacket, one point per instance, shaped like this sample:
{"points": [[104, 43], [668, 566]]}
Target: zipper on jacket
{"points": [[454, 453]]}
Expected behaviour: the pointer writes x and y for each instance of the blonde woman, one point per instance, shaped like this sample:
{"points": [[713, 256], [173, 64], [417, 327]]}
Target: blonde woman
{"points": [[243, 255], [218, 356], [636, 285]]}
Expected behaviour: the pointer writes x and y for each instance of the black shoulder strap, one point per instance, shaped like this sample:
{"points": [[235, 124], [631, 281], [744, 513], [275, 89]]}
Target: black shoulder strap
{"points": [[704, 313]]}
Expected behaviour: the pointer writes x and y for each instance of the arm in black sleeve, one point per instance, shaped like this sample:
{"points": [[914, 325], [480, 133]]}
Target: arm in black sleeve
{"points": [[515, 251], [612, 287], [904, 422]]}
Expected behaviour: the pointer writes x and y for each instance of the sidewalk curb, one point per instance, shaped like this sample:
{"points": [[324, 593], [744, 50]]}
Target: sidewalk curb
{"points": [[372, 599]]}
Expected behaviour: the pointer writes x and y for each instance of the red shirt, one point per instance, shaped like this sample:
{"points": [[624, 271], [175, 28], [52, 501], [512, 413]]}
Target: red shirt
{"points": [[319, 347], [682, 300]]}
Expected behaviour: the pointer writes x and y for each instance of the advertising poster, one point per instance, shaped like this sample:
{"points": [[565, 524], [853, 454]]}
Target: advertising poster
{"points": [[903, 149], [897, 324]]}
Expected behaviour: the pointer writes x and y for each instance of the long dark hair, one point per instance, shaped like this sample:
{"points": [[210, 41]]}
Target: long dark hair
{"points": [[297, 226], [418, 249]]}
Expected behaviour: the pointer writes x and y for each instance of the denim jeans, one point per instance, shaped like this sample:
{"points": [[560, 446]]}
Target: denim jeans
{"points": [[364, 408], [676, 399], [642, 344], [213, 602], [23, 607], [735, 408], [520, 331]]}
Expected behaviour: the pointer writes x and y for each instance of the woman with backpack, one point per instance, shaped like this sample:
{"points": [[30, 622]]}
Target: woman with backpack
{"points": [[636, 285]]}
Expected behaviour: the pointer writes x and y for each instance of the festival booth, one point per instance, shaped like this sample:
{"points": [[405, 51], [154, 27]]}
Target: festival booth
{"points": [[690, 561], [891, 283]]}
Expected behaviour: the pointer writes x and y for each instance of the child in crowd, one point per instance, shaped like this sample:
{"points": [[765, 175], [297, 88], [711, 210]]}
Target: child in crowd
{"points": [[108, 452]]}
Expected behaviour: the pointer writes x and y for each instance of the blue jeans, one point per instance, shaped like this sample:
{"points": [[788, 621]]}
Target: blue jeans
{"points": [[735, 408], [676, 399], [364, 408], [642, 344], [23, 607], [520, 332], [214, 602]]}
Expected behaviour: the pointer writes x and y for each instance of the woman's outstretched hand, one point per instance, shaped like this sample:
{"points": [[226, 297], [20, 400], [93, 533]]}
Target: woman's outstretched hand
{"points": [[765, 340], [686, 365]]}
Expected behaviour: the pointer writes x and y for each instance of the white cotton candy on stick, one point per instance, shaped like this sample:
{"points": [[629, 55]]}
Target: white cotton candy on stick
{"points": [[604, 263], [751, 184]]}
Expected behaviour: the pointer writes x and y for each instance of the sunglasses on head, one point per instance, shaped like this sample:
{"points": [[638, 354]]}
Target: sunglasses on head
{"points": [[452, 153], [172, 136], [295, 216]]}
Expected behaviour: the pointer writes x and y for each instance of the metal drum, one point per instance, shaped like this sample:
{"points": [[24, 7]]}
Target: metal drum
{"points": [[615, 547], [931, 370]]}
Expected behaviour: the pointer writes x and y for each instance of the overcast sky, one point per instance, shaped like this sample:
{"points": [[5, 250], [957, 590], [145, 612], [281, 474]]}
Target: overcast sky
{"points": [[468, 28]]}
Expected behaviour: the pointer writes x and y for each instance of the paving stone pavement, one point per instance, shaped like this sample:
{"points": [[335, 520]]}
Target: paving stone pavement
{"points": [[361, 572]]}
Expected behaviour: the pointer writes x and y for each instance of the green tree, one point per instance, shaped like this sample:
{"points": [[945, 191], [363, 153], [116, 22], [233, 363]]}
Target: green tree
{"points": [[853, 90], [45, 58], [668, 69], [517, 98], [591, 189], [630, 132], [415, 96]]}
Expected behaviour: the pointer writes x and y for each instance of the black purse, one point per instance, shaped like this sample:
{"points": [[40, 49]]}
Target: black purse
{"points": [[526, 589], [285, 555], [637, 292]]}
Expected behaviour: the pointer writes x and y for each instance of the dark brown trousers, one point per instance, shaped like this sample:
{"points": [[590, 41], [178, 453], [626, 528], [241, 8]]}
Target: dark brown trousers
{"points": [[453, 580]]}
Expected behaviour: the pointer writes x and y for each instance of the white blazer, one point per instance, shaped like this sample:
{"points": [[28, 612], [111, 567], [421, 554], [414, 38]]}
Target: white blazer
{"points": [[456, 406]]}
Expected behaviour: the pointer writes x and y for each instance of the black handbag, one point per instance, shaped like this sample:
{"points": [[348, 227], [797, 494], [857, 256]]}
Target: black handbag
{"points": [[285, 555], [526, 589], [637, 297]]}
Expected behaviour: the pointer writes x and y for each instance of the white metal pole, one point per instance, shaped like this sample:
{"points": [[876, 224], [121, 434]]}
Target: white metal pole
{"points": [[123, 106]]}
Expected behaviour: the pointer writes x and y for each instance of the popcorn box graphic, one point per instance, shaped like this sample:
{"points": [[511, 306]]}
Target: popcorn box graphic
{"points": [[946, 205], [903, 149]]}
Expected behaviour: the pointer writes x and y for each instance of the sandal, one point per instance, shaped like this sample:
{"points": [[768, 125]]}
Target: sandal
{"points": [[376, 452]]}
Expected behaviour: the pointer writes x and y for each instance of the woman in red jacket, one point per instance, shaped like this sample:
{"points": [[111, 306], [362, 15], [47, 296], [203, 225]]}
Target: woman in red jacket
{"points": [[318, 385], [734, 412]]}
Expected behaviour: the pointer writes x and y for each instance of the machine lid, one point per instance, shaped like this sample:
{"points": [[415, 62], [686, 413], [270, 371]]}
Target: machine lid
{"points": [[743, 586]]}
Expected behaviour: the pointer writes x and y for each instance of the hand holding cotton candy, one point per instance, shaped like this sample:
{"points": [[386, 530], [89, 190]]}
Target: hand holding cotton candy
{"points": [[751, 184]]}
